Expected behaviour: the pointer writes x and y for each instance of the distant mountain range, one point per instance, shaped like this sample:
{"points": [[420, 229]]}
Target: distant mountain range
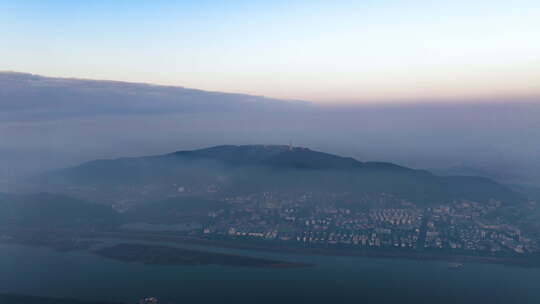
{"points": [[233, 170]]}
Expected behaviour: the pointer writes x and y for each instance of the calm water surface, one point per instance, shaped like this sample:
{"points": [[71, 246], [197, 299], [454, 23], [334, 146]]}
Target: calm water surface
{"points": [[41, 271]]}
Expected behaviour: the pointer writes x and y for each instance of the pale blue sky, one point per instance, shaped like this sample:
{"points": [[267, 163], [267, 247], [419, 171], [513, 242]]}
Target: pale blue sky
{"points": [[326, 51]]}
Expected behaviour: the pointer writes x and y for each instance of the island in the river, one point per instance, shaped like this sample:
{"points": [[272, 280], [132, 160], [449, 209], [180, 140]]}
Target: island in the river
{"points": [[164, 255]]}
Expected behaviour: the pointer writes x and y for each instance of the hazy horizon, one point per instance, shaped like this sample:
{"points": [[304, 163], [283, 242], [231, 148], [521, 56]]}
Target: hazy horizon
{"points": [[50, 123], [340, 52]]}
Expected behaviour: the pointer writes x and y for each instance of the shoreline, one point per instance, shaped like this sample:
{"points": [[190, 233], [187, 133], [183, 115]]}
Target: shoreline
{"points": [[525, 261]]}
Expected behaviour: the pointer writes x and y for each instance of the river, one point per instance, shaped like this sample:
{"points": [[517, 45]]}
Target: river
{"points": [[82, 275]]}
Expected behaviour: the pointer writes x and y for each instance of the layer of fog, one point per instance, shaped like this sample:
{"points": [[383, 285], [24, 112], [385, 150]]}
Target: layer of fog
{"points": [[52, 123]]}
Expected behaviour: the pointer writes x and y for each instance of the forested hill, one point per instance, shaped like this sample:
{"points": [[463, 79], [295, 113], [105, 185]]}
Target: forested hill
{"points": [[254, 168]]}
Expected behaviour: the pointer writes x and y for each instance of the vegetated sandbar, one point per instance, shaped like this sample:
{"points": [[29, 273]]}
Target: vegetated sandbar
{"points": [[532, 261], [164, 255]]}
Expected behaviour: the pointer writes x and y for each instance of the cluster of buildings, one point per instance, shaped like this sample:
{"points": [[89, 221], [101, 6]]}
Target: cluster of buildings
{"points": [[310, 220], [471, 226]]}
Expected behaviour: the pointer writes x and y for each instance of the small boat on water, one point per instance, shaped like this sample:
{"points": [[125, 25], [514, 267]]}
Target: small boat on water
{"points": [[454, 265]]}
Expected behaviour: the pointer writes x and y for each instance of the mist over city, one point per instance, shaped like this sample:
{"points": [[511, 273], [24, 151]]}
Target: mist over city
{"points": [[269, 151]]}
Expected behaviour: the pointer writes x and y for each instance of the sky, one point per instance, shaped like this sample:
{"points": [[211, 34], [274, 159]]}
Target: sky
{"points": [[330, 52]]}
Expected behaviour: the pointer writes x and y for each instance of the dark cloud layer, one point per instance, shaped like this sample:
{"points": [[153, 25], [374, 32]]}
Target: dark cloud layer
{"points": [[26, 96]]}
